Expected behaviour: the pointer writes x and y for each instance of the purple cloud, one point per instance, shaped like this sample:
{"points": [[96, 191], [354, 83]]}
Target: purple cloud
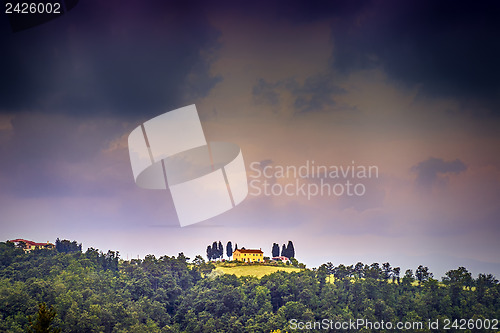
{"points": [[428, 171]]}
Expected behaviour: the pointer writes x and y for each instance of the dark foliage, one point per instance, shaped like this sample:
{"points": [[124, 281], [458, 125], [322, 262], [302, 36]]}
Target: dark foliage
{"points": [[96, 292], [229, 249], [67, 246], [276, 250]]}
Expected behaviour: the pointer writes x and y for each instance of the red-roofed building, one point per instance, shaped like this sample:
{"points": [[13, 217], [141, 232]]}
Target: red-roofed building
{"points": [[282, 259], [29, 246], [248, 255]]}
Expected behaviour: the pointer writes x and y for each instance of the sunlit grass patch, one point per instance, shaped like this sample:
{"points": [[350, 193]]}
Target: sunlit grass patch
{"points": [[255, 270]]}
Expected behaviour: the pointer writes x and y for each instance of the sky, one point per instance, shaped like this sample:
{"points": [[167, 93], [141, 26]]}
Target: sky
{"points": [[410, 88]]}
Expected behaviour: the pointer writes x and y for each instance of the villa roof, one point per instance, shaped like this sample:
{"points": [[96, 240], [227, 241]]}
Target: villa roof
{"points": [[31, 243], [248, 251]]}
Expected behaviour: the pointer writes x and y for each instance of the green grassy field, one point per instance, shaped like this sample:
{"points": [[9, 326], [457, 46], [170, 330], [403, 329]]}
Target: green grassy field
{"points": [[254, 270]]}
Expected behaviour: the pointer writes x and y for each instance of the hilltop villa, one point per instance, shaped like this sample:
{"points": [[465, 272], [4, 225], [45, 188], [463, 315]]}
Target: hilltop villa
{"points": [[248, 255], [28, 246]]}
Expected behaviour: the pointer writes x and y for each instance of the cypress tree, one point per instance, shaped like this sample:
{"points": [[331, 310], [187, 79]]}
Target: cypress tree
{"points": [[209, 253], [221, 250], [283, 251], [276, 250], [290, 250], [215, 250], [229, 249]]}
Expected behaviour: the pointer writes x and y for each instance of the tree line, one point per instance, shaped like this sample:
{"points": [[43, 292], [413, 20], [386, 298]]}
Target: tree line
{"points": [[78, 292], [216, 250], [375, 271], [67, 246]]}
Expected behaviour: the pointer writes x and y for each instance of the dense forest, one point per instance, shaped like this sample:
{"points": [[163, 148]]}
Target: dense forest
{"points": [[91, 291]]}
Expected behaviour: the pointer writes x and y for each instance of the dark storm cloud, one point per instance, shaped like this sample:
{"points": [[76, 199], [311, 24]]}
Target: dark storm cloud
{"points": [[317, 92], [265, 92], [449, 48], [297, 11], [122, 57], [428, 171], [57, 155]]}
